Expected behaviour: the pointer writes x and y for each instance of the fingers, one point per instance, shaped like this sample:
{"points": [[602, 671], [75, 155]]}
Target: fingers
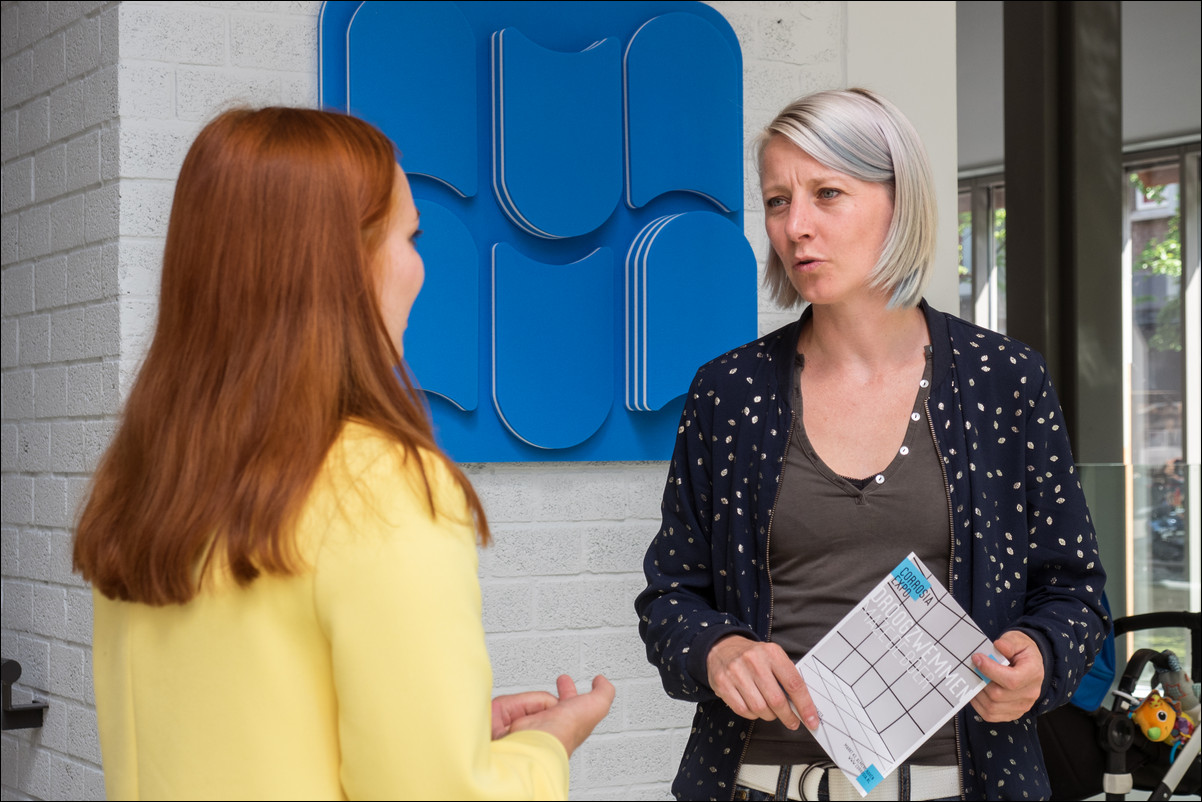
{"points": [[604, 687], [991, 702], [511, 712], [575, 715], [597, 700], [997, 709], [991, 669], [1015, 645], [508, 708], [1012, 689], [532, 702], [758, 680], [799, 697], [565, 686], [600, 699]]}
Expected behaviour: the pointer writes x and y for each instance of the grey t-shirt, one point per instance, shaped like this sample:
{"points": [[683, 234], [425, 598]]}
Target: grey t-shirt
{"points": [[833, 539]]}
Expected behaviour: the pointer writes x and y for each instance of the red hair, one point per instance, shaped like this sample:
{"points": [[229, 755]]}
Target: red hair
{"points": [[269, 338]]}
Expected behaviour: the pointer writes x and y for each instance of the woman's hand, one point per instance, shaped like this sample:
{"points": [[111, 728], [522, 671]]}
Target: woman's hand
{"points": [[510, 707], [758, 680], [1012, 689], [572, 717]]}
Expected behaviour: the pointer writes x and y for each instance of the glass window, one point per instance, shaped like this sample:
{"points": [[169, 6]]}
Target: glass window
{"points": [[1162, 220], [982, 234], [1164, 569]]}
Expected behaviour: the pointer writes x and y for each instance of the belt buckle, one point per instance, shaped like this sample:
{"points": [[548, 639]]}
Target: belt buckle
{"points": [[817, 771], [838, 786]]}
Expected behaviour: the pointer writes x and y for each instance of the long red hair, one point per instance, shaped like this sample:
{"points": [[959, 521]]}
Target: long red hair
{"points": [[269, 338]]}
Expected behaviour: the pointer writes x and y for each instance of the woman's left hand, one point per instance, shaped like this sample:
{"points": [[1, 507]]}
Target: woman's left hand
{"points": [[1012, 689], [510, 707]]}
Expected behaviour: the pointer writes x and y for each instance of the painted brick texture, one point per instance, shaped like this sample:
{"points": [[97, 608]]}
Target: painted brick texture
{"points": [[61, 347]]}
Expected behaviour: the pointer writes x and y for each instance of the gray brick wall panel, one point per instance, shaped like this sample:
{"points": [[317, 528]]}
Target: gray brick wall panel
{"points": [[18, 394], [35, 339], [83, 47], [33, 126], [33, 442], [10, 225], [17, 185], [34, 236], [50, 276], [50, 392]]}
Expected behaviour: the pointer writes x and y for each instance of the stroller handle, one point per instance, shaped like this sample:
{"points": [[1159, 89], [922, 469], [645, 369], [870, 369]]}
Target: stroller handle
{"points": [[1168, 620], [1136, 665]]}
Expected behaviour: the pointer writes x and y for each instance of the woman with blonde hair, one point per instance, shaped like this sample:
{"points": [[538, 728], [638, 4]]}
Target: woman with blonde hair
{"points": [[811, 461], [283, 561]]}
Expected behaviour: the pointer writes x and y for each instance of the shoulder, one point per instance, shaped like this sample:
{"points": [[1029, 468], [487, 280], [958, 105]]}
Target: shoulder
{"points": [[991, 361], [362, 453], [750, 364], [376, 484]]}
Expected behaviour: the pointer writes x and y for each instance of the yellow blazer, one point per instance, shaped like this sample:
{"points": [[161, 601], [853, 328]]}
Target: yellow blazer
{"points": [[365, 676]]}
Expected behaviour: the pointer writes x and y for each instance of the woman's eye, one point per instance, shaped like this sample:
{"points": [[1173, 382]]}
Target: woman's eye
{"points": [[828, 194], [415, 235], [773, 203]]}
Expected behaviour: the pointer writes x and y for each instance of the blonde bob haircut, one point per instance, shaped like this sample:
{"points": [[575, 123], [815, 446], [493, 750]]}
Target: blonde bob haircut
{"points": [[859, 133]]}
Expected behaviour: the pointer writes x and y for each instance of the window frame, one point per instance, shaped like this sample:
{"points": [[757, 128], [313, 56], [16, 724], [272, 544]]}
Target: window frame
{"points": [[988, 302], [1185, 154]]}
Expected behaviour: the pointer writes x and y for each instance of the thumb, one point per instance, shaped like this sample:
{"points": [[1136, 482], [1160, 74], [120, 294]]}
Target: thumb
{"points": [[603, 687], [1010, 644]]}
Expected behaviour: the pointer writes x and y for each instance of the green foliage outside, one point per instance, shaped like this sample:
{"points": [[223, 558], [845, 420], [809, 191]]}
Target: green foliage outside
{"points": [[1162, 257]]}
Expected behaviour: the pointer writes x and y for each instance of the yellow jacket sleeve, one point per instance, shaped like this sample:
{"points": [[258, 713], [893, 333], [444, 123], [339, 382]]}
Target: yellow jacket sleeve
{"points": [[397, 595]]}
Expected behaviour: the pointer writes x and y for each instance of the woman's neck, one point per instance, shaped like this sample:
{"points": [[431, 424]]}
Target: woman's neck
{"points": [[866, 336]]}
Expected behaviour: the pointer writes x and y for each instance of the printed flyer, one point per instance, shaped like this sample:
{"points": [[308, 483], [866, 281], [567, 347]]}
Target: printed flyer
{"points": [[892, 672]]}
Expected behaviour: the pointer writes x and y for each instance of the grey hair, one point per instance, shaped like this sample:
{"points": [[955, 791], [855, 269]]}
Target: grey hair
{"points": [[861, 134]]}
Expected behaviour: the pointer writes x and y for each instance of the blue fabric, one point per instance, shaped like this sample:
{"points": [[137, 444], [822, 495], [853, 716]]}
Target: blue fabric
{"points": [[1024, 553]]}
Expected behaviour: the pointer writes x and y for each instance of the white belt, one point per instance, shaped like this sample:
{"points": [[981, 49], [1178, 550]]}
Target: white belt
{"points": [[926, 782]]}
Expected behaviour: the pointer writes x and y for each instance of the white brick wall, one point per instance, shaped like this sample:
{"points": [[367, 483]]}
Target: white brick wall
{"points": [[100, 102], [180, 64], [61, 343], [559, 586]]}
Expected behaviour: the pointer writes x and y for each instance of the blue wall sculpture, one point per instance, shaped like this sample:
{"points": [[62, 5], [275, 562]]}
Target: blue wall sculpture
{"points": [[579, 172]]}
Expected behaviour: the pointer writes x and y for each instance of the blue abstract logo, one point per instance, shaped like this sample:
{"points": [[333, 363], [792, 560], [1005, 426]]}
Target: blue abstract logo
{"points": [[579, 172]]}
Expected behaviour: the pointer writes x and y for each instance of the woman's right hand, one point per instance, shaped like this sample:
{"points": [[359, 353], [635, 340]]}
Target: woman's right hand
{"points": [[574, 716], [758, 680]]}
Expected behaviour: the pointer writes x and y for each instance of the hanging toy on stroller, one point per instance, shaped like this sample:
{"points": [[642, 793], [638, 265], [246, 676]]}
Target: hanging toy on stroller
{"points": [[1160, 719]]}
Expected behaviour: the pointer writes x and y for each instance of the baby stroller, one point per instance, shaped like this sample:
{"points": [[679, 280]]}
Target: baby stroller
{"points": [[1091, 749]]}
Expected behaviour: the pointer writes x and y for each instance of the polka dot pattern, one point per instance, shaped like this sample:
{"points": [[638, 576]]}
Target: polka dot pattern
{"points": [[1024, 554]]}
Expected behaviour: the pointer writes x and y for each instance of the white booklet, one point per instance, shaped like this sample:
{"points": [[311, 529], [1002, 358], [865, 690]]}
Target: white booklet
{"points": [[892, 672]]}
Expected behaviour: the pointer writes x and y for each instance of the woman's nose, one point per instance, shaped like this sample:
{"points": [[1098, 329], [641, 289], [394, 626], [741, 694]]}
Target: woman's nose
{"points": [[799, 223]]}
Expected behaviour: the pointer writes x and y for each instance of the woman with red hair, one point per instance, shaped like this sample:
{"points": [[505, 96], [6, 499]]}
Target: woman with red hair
{"points": [[283, 561]]}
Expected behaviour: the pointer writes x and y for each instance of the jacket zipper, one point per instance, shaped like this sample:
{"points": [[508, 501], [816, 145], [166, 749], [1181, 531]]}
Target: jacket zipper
{"points": [[951, 562], [768, 568]]}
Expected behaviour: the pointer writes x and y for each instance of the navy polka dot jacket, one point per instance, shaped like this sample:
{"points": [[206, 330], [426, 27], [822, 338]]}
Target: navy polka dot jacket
{"points": [[1024, 554]]}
